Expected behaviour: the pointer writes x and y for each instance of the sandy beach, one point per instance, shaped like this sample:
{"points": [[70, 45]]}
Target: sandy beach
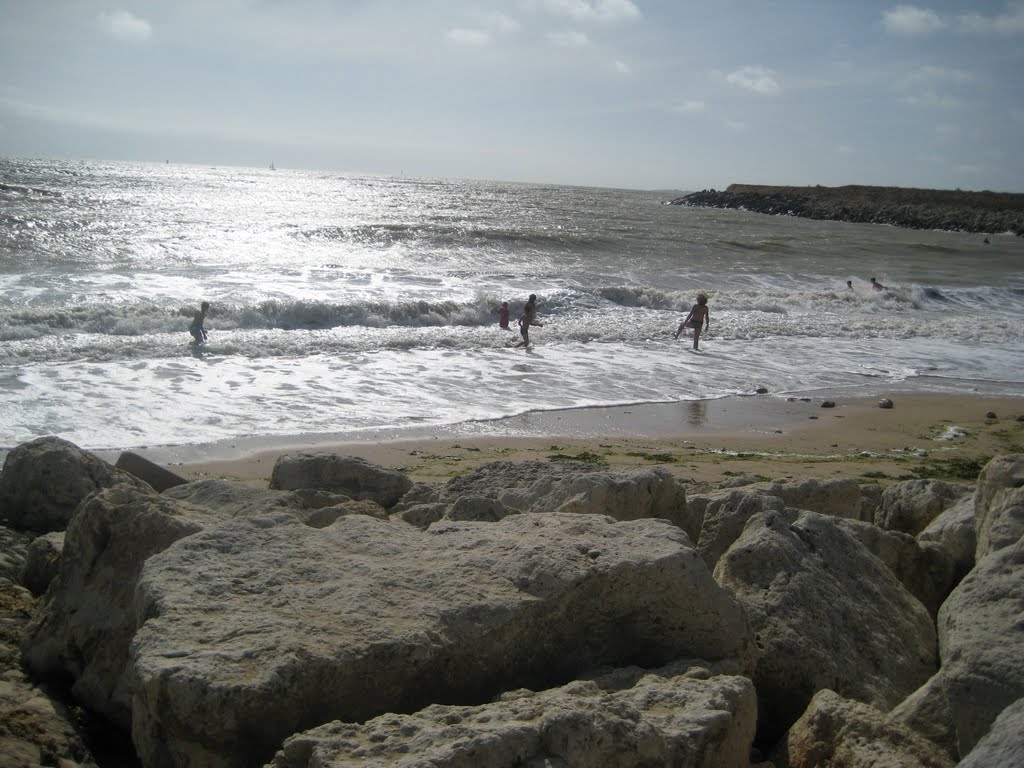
{"points": [[922, 435]]}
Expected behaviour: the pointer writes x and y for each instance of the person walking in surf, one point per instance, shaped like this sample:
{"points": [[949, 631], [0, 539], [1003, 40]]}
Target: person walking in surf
{"points": [[196, 329], [528, 318], [699, 316]]}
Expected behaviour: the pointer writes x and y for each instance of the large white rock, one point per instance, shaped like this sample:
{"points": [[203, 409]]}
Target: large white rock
{"points": [[1003, 745], [925, 568], [557, 486], [826, 613], [999, 504], [838, 733], [349, 475], [661, 720], [259, 628], [725, 516], [981, 655], [86, 621], [953, 530], [911, 505]]}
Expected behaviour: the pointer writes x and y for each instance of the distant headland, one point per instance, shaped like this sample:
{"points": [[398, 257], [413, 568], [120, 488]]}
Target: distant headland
{"points": [[954, 210]]}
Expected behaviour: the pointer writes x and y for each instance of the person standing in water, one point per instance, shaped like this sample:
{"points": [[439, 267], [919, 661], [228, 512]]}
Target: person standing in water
{"points": [[699, 316], [196, 329], [503, 315], [528, 318]]}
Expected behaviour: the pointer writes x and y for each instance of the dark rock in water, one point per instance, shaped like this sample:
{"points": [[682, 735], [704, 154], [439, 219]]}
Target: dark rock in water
{"points": [[828, 404], [761, 390], [885, 402]]}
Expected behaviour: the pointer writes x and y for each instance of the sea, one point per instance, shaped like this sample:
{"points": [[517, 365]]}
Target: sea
{"points": [[354, 306]]}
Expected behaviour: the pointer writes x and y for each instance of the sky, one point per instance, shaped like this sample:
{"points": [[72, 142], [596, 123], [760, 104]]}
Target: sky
{"points": [[658, 94]]}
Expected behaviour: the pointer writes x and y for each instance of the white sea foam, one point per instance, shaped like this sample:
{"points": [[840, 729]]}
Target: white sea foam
{"points": [[344, 304]]}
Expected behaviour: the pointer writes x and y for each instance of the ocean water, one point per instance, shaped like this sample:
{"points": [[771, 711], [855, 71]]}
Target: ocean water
{"points": [[343, 305]]}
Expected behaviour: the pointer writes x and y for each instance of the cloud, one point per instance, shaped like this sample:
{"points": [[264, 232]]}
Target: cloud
{"points": [[622, 68], [911, 21], [931, 73], [569, 39], [468, 36], [933, 99], [757, 79], [591, 10], [499, 22], [1011, 22], [124, 26], [690, 105]]}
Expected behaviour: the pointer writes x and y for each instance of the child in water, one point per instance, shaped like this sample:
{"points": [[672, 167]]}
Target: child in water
{"points": [[699, 316], [503, 315], [196, 329]]}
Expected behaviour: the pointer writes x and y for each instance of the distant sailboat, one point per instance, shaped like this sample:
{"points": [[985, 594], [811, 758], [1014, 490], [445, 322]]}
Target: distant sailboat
{"points": [[272, 166]]}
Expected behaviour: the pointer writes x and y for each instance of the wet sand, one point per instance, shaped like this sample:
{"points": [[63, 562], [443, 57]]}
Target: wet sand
{"points": [[922, 435]]}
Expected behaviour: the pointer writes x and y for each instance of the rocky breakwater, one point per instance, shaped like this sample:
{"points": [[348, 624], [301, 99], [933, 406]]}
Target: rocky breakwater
{"points": [[524, 614], [953, 210]]}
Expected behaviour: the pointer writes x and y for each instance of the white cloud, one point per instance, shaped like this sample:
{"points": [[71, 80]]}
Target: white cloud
{"points": [[622, 68], [932, 73], [690, 105], [933, 99], [757, 79], [569, 39], [1010, 22], [911, 20], [499, 22], [468, 36], [124, 26], [591, 10]]}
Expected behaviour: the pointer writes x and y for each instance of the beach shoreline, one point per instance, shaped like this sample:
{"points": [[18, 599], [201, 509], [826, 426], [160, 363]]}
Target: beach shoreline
{"points": [[922, 435]]}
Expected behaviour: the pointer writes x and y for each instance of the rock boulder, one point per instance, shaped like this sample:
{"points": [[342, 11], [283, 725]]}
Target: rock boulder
{"points": [[44, 481], [826, 614], [349, 475], [261, 627]]}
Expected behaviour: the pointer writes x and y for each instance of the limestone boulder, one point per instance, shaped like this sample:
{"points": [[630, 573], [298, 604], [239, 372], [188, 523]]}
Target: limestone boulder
{"points": [[839, 733], [953, 530], [349, 475], [981, 655], [836, 498], [35, 728], [576, 487], [259, 628], [725, 516], [909, 506], [659, 720], [870, 501], [86, 620], [925, 568], [1004, 742], [44, 481], [999, 504], [826, 613], [231, 498], [42, 561]]}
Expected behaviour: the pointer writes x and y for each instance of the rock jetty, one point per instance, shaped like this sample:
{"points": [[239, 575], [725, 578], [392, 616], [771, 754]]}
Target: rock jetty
{"points": [[952, 210], [523, 614]]}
